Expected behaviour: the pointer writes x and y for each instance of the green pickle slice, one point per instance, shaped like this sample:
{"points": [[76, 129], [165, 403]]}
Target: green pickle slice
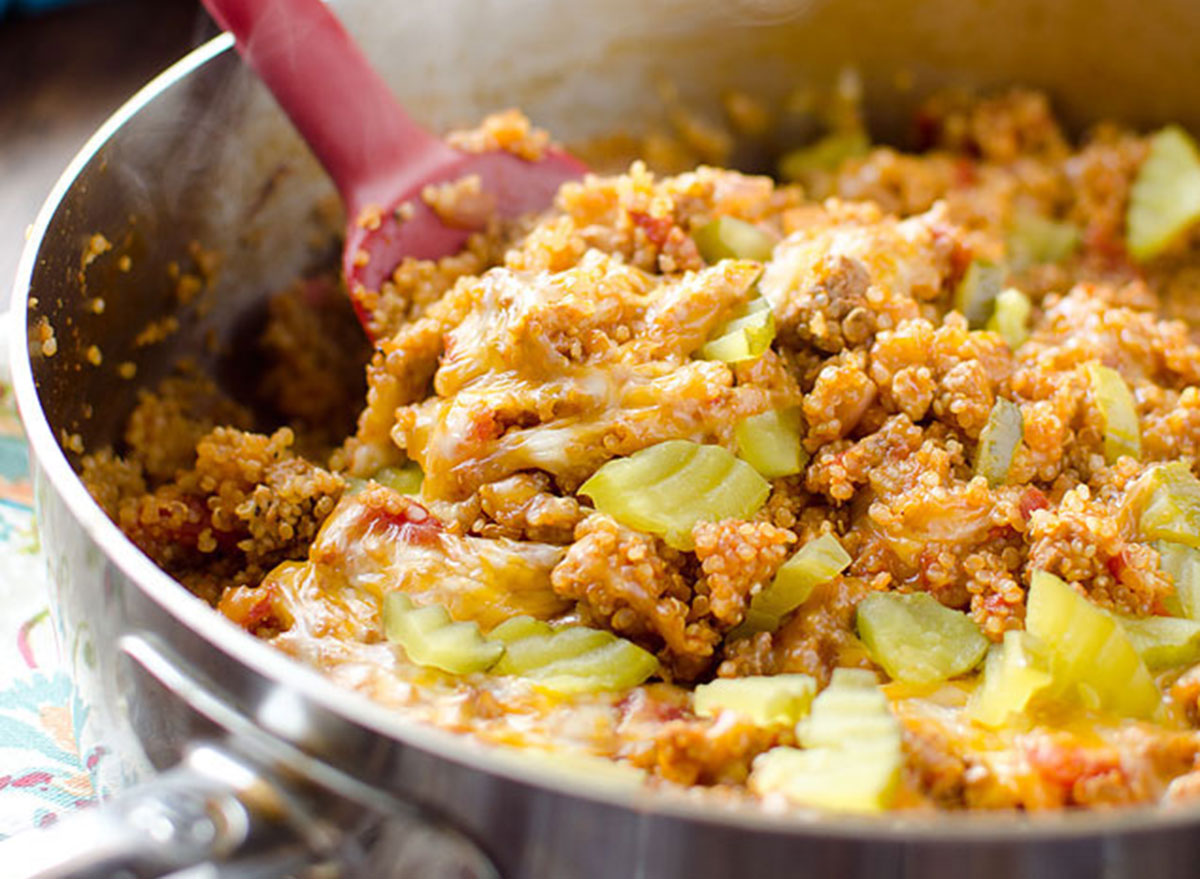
{"points": [[916, 639], [1122, 432], [852, 756], [1011, 317], [999, 441], [766, 700], [532, 652], [1091, 658], [1037, 240], [731, 238], [1171, 510], [618, 665], [574, 659], [852, 712], [516, 628], [1164, 200], [430, 638], [771, 442], [406, 479], [1163, 642], [826, 154], [1013, 675], [668, 488], [975, 297], [745, 337], [816, 563], [829, 778], [1182, 564]]}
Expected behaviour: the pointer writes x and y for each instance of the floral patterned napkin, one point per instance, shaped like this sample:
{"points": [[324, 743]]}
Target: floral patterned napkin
{"points": [[42, 773]]}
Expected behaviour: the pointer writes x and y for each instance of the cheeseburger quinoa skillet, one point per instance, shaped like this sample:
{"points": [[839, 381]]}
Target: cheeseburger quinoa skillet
{"points": [[870, 490]]}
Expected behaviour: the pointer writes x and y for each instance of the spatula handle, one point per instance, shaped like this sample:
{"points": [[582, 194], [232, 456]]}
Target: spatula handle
{"points": [[341, 106]]}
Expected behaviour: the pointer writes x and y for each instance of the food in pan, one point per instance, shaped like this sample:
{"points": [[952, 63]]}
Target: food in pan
{"points": [[865, 488]]}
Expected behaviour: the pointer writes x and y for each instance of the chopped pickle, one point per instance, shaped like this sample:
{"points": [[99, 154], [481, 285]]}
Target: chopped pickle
{"points": [[817, 562], [430, 638], [998, 442], [731, 238], [770, 442], [616, 666], [852, 755], [1171, 510], [916, 639], [1011, 317], [829, 778], [1122, 434], [1164, 200], [851, 712], [1182, 564], [766, 700], [847, 678], [515, 628], [1015, 672], [976, 295], [405, 480], [576, 659], [539, 650], [746, 337], [1163, 642], [1091, 658], [666, 489], [826, 154], [1037, 240]]}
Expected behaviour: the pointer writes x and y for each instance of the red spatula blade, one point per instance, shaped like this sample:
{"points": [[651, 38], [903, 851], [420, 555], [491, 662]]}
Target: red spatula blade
{"points": [[384, 234], [378, 157]]}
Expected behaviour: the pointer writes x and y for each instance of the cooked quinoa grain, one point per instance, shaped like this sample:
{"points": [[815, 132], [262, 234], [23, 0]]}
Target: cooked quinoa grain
{"points": [[930, 444]]}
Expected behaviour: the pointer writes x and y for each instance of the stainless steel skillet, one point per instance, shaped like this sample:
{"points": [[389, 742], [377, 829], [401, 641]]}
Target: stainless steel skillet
{"points": [[275, 767]]}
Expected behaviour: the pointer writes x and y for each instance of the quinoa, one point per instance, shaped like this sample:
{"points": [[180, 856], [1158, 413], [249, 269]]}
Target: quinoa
{"points": [[42, 338], [708, 753], [635, 585], [737, 558], [314, 351], [462, 203], [509, 374], [509, 130], [167, 424], [248, 502]]}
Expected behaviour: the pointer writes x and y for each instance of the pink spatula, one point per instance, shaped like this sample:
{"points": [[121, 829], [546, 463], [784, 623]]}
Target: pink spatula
{"points": [[379, 158]]}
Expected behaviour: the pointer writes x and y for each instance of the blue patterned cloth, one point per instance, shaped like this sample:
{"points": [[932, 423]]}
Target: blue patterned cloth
{"points": [[42, 773]]}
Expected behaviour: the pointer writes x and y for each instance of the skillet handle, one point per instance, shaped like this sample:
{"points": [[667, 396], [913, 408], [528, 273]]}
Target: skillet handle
{"points": [[202, 812], [249, 807], [217, 816]]}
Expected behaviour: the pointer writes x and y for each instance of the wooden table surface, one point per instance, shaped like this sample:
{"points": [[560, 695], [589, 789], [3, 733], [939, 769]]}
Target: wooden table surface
{"points": [[61, 74]]}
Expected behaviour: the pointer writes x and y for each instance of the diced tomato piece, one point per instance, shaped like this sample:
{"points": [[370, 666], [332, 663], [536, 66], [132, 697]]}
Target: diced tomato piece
{"points": [[656, 228], [965, 172], [411, 523], [1117, 564], [1032, 499], [253, 608]]}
